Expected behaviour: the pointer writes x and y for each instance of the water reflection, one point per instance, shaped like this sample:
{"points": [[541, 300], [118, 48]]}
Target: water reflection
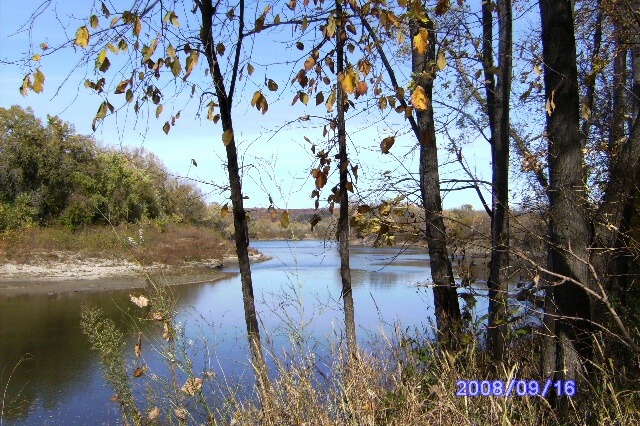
{"points": [[298, 299]]}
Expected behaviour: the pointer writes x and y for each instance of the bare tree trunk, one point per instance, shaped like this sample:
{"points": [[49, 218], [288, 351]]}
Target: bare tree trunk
{"points": [[569, 228], [445, 296], [498, 110], [240, 224], [343, 220]]}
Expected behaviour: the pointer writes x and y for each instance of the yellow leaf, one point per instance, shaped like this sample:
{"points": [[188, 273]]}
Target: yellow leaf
{"points": [[304, 98], [441, 62], [250, 69], [309, 63], [419, 99], [347, 81], [122, 87], [191, 62], [421, 41], [82, 37], [284, 219], [112, 48], [137, 26], [176, 67], [93, 21], [224, 210], [331, 100], [36, 57], [171, 51], [227, 137], [537, 69], [38, 81], [159, 110], [101, 57], [386, 144]]}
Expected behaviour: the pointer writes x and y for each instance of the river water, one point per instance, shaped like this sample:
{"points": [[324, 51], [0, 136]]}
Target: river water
{"points": [[50, 375]]}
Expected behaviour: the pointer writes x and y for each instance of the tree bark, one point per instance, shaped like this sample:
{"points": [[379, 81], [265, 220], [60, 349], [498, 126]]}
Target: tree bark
{"points": [[240, 223], [445, 296], [499, 123], [343, 220], [569, 229]]}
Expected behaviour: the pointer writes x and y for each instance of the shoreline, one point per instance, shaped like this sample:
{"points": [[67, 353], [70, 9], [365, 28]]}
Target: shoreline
{"points": [[75, 275]]}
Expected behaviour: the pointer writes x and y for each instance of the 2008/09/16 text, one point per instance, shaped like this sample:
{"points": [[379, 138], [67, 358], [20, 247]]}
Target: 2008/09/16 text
{"points": [[515, 387]]}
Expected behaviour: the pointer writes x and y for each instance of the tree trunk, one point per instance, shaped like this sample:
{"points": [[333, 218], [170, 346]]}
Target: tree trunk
{"points": [[343, 220], [569, 228], [498, 110], [445, 296], [240, 223]]}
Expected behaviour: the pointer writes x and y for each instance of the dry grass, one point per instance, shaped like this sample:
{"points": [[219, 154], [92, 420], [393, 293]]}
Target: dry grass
{"points": [[410, 385], [173, 245]]}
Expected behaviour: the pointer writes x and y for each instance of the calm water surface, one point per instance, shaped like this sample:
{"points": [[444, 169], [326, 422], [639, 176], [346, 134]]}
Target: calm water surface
{"points": [[51, 376]]}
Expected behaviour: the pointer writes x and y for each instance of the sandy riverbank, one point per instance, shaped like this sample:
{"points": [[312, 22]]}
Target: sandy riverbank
{"points": [[72, 274]]}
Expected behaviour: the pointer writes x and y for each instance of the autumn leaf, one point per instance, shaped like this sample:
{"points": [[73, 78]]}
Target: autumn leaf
{"points": [[220, 49], [166, 128], [93, 21], [299, 45], [331, 100], [38, 81], [192, 386], [442, 7], [441, 62], [224, 210], [191, 62], [421, 41], [419, 99], [122, 86], [272, 85], [227, 137], [82, 37], [284, 219], [347, 81], [314, 221], [304, 98], [537, 69], [159, 111], [250, 69], [139, 371], [349, 186], [309, 63], [154, 413], [137, 350], [319, 98], [139, 301], [386, 144]]}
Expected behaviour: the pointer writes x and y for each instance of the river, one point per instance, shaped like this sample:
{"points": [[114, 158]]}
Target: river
{"points": [[50, 375]]}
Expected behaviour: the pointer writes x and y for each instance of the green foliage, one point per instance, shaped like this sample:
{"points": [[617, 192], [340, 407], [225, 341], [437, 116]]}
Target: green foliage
{"points": [[108, 341], [49, 175]]}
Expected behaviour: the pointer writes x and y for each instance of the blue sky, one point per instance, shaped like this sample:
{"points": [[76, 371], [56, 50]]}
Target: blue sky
{"points": [[277, 163]]}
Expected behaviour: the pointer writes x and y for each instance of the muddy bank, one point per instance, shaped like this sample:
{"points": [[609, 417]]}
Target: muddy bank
{"points": [[72, 274]]}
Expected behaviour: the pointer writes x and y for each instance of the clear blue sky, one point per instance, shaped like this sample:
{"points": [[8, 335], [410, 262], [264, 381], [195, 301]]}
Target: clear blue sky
{"points": [[277, 163]]}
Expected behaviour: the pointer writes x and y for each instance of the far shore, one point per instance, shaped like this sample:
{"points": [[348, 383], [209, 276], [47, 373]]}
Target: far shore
{"points": [[70, 275]]}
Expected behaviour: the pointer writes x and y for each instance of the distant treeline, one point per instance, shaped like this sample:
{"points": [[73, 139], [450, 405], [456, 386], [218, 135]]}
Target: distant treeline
{"points": [[50, 175]]}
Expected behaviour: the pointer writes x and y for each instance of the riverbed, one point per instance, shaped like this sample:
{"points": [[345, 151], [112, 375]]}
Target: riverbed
{"points": [[53, 377]]}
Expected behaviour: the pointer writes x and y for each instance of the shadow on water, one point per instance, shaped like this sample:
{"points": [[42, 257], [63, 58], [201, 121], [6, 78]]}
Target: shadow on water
{"points": [[297, 294]]}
